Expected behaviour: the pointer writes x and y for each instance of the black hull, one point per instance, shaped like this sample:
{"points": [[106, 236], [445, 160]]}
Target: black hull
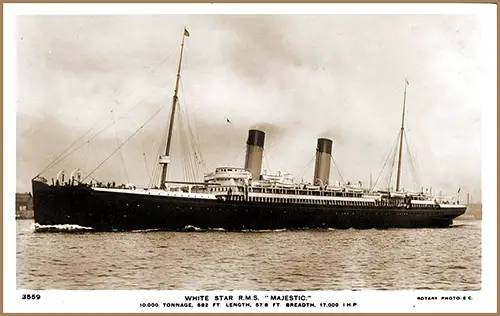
{"points": [[116, 211]]}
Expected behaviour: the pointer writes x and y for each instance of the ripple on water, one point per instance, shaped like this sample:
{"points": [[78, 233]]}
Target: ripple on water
{"points": [[273, 260]]}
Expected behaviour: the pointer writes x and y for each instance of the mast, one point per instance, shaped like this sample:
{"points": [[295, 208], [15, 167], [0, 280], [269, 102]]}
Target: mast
{"points": [[165, 160], [398, 178]]}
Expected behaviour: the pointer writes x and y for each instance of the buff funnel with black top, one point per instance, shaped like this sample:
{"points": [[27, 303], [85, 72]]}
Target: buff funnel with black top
{"points": [[255, 150], [323, 158]]}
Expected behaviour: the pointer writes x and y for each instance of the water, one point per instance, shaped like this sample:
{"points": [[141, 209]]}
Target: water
{"points": [[395, 259]]}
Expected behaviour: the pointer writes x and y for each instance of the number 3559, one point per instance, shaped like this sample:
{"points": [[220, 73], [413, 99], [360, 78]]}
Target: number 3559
{"points": [[31, 296]]}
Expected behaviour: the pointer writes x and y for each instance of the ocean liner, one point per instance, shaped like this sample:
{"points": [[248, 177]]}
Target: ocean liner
{"points": [[236, 199]]}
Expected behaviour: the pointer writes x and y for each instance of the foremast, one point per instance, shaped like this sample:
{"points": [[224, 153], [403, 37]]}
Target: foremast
{"points": [[165, 159], [400, 155]]}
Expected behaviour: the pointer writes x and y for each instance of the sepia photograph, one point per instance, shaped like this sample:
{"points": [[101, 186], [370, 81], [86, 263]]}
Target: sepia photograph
{"points": [[274, 158]]}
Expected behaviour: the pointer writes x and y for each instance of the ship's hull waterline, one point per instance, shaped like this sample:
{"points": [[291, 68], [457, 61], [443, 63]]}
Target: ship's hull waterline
{"points": [[105, 210]]}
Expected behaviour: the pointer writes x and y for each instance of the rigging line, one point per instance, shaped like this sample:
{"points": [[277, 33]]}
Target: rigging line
{"points": [[146, 166], [197, 148], [390, 170], [413, 171], [121, 153], [156, 171], [156, 165], [55, 161], [238, 155], [51, 164], [177, 146], [188, 157], [393, 162], [152, 70], [273, 143], [153, 182], [307, 166], [270, 156], [410, 150], [183, 141], [197, 163], [385, 163], [381, 171], [161, 148], [185, 150], [186, 166], [267, 163], [86, 157], [188, 137], [92, 178], [194, 114], [158, 111], [160, 64], [336, 168], [59, 159], [178, 139], [148, 185], [392, 166], [196, 134], [193, 139], [153, 178], [156, 168], [412, 163], [90, 139]]}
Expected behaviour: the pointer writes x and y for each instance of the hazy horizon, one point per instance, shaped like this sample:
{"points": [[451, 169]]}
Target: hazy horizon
{"points": [[297, 77]]}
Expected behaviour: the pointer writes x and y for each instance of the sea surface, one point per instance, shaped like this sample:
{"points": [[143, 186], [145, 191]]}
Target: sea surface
{"points": [[394, 259]]}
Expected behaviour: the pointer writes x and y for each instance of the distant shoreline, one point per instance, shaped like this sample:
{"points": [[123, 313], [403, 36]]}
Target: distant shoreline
{"points": [[24, 206], [473, 212]]}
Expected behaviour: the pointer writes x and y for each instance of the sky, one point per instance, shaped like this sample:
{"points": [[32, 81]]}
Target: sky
{"points": [[296, 77]]}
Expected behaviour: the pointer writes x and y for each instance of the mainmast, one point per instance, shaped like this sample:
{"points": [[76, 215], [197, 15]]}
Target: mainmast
{"points": [[398, 178], [165, 159]]}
